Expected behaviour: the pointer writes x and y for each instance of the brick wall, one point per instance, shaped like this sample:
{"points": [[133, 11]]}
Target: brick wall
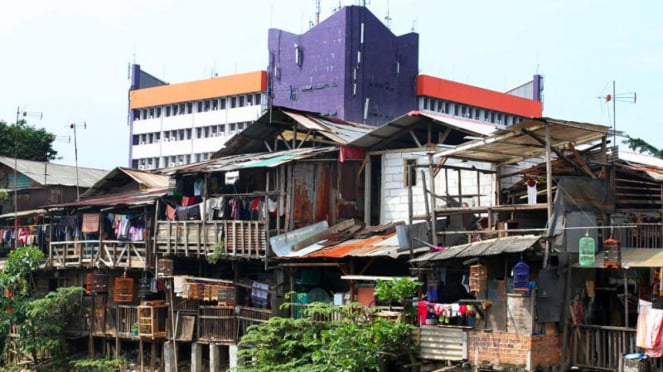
{"points": [[498, 348]]}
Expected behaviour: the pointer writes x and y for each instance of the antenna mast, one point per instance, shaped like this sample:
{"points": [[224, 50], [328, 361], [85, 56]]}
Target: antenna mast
{"points": [[317, 12]]}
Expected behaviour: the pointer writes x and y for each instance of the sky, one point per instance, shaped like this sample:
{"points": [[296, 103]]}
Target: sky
{"points": [[67, 61]]}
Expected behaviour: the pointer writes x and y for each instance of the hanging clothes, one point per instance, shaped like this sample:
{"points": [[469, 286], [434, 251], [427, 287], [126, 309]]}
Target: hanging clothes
{"points": [[90, 223], [531, 191], [648, 331]]}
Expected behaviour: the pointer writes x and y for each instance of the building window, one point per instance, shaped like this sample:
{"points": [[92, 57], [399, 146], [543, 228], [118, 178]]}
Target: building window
{"points": [[188, 134], [215, 104], [258, 97], [410, 172], [249, 100], [206, 132], [189, 107], [199, 132], [241, 101], [233, 102], [200, 106], [222, 129], [223, 103], [207, 105]]}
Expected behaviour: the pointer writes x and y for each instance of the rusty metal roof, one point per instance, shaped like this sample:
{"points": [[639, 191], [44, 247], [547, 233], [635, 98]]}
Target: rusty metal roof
{"points": [[120, 177], [244, 161], [134, 198], [396, 133], [649, 165], [281, 123], [490, 247], [525, 140]]}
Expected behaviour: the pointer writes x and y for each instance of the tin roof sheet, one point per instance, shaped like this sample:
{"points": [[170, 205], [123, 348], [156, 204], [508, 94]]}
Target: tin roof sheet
{"points": [[490, 247], [47, 173], [257, 160]]}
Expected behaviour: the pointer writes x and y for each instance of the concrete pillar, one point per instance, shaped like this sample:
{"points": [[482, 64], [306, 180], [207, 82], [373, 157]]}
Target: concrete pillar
{"points": [[232, 356], [168, 357], [196, 358], [214, 357]]}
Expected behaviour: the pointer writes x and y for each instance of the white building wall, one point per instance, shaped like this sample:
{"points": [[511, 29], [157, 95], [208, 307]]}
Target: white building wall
{"points": [[165, 146], [394, 191]]}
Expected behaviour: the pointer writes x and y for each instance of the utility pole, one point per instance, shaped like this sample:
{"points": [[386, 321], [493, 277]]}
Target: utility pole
{"points": [[73, 126]]}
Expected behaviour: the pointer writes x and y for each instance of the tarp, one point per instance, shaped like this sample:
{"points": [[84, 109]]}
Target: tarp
{"points": [[632, 257]]}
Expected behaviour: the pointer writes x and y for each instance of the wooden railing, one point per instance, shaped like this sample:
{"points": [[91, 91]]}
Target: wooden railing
{"points": [[600, 347], [201, 239], [96, 253], [217, 324], [248, 316], [639, 235]]}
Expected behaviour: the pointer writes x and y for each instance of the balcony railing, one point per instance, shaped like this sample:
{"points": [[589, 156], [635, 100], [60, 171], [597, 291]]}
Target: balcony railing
{"points": [[639, 235], [202, 238], [600, 347], [96, 253]]}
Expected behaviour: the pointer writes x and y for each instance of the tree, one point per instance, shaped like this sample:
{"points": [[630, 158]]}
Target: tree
{"points": [[640, 145], [26, 142], [352, 342], [39, 322]]}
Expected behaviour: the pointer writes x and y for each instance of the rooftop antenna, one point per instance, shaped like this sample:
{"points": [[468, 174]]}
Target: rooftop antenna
{"points": [[630, 97], [317, 12], [387, 19], [414, 25]]}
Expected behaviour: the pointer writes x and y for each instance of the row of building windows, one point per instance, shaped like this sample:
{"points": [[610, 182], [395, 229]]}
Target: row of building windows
{"points": [[189, 133], [213, 104], [467, 111], [170, 161]]}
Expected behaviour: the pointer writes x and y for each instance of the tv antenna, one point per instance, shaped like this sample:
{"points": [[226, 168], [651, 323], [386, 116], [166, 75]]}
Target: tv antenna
{"points": [[630, 97]]}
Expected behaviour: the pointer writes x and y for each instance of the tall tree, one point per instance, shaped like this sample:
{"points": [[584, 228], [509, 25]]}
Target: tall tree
{"points": [[26, 142], [640, 145]]}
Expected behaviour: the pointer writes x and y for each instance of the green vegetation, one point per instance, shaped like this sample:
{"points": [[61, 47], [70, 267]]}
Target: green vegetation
{"points": [[357, 341], [37, 324], [26, 142]]}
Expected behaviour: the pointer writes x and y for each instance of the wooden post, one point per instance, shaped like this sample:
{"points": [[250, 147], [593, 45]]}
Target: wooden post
{"points": [[91, 330], [173, 332], [117, 328], [153, 353], [140, 351], [432, 199]]}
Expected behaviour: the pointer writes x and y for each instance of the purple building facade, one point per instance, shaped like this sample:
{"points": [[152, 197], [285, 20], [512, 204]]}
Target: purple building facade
{"points": [[349, 66]]}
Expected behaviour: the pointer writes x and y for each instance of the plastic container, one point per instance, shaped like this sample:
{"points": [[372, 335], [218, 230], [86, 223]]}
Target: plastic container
{"points": [[586, 251]]}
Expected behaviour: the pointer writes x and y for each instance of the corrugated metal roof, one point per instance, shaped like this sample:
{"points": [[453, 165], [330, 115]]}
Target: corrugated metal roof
{"points": [[373, 246], [47, 173], [395, 134], [491, 247], [281, 121], [125, 199], [121, 176], [524, 140], [243, 161]]}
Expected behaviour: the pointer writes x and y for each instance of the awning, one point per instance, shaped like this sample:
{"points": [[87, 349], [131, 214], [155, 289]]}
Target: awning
{"points": [[490, 247], [632, 257]]}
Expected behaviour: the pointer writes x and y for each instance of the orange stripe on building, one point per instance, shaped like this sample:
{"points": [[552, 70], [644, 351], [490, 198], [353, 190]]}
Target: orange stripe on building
{"points": [[250, 82], [448, 90]]}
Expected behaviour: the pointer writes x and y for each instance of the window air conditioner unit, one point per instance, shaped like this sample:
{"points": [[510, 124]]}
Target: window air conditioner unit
{"points": [[142, 142], [141, 166], [180, 163]]}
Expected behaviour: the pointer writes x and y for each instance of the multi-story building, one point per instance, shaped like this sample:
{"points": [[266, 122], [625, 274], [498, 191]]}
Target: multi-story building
{"points": [[177, 124], [349, 66]]}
